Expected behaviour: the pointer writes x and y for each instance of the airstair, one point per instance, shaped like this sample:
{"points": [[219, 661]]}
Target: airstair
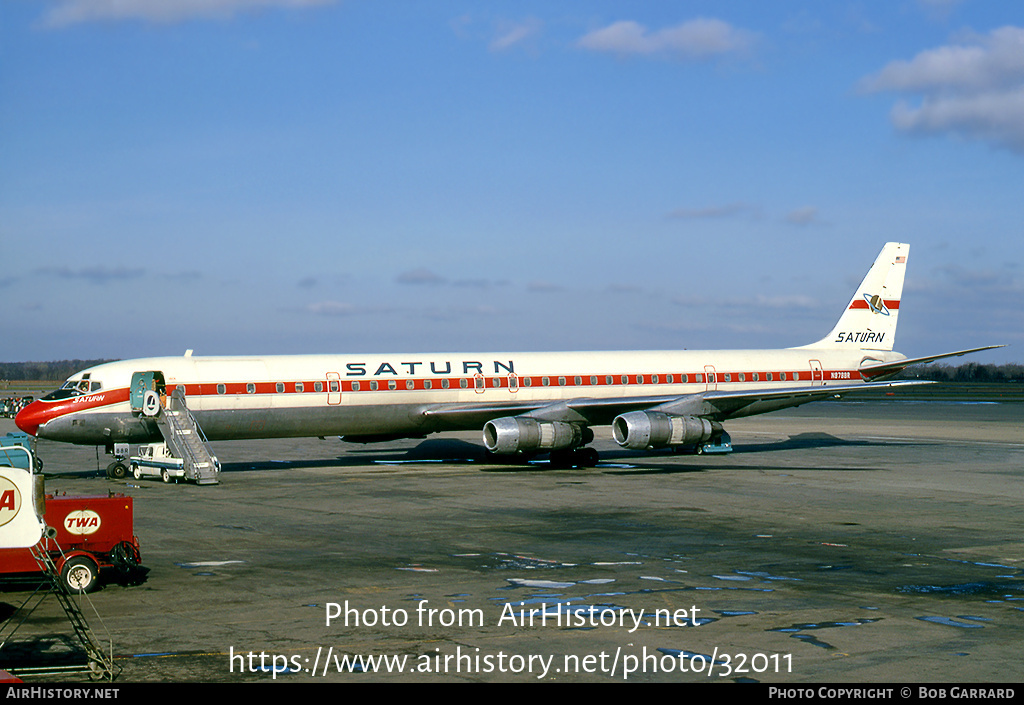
{"points": [[186, 440], [99, 664]]}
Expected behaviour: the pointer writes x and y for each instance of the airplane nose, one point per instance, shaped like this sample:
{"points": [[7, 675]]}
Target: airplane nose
{"points": [[31, 418]]}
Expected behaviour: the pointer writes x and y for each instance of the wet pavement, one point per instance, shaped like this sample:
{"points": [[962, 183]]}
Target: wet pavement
{"points": [[869, 542]]}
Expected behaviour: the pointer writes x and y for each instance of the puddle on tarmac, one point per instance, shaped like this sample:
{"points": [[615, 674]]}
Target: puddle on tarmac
{"points": [[797, 630], [952, 622]]}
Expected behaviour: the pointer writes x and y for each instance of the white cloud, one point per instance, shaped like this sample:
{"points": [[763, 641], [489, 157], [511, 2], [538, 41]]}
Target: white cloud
{"points": [[70, 12], [516, 34], [939, 9], [700, 38], [974, 89]]}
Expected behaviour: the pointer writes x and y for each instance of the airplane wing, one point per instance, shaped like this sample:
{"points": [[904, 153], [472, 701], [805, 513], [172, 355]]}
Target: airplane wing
{"points": [[714, 405]]}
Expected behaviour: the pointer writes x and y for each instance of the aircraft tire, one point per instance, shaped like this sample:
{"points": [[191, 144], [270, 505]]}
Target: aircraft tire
{"points": [[575, 458], [588, 457], [561, 459], [116, 470], [80, 574]]}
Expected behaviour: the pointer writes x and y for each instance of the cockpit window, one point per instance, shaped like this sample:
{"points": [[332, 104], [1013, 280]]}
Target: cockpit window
{"points": [[82, 386], [74, 388]]}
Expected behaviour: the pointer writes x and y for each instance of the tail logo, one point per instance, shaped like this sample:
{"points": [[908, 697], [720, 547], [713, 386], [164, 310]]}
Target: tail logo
{"points": [[876, 304]]}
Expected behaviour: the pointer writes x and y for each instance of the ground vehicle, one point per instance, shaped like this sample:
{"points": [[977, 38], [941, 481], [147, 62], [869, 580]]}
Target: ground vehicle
{"points": [[17, 458], [87, 534], [156, 459]]}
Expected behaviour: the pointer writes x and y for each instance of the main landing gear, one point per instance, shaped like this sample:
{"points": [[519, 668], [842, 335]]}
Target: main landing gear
{"points": [[117, 470], [574, 458]]}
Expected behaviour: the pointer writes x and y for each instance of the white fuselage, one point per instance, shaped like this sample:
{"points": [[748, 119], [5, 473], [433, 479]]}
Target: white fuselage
{"points": [[381, 395]]}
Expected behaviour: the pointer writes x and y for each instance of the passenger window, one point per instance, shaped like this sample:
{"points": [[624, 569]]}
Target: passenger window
{"points": [[221, 389], [280, 387], [250, 388], [300, 387]]}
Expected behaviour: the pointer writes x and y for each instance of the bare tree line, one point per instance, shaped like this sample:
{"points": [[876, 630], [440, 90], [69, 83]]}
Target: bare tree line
{"points": [[967, 372], [53, 371]]}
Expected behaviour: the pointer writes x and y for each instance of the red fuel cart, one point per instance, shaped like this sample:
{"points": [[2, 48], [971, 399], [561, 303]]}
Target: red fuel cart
{"points": [[91, 533]]}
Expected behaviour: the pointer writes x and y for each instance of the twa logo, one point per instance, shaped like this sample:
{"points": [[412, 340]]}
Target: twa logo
{"points": [[84, 521], [10, 500]]}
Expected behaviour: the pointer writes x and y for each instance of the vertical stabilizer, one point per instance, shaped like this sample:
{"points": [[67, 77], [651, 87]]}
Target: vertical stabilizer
{"points": [[869, 322]]}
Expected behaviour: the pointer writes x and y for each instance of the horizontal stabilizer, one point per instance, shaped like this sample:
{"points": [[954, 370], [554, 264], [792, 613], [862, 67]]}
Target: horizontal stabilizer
{"points": [[879, 368]]}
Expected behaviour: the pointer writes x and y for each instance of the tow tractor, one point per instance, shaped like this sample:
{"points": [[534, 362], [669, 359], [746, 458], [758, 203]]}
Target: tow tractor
{"points": [[85, 535]]}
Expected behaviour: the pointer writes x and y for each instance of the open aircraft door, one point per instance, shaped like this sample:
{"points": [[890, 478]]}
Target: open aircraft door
{"points": [[147, 391]]}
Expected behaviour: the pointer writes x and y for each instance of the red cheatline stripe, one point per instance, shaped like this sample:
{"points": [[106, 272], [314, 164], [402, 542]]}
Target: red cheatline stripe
{"points": [[861, 303], [489, 382]]}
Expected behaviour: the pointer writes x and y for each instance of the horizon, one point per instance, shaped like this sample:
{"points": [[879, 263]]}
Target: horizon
{"points": [[334, 177]]}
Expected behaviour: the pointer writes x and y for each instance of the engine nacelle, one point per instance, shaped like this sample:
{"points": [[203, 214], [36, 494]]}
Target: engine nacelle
{"points": [[652, 429], [513, 434]]}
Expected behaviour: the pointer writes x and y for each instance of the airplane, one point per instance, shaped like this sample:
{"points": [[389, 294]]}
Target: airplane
{"points": [[527, 404]]}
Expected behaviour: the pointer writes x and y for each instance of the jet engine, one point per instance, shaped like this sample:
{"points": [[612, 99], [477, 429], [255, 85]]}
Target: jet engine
{"points": [[652, 429], [513, 434]]}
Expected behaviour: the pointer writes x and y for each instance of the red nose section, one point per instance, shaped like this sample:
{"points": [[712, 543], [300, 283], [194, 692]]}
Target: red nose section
{"points": [[31, 417]]}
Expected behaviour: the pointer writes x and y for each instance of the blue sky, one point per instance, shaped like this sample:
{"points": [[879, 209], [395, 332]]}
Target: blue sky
{"points": [[293, 176]]}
